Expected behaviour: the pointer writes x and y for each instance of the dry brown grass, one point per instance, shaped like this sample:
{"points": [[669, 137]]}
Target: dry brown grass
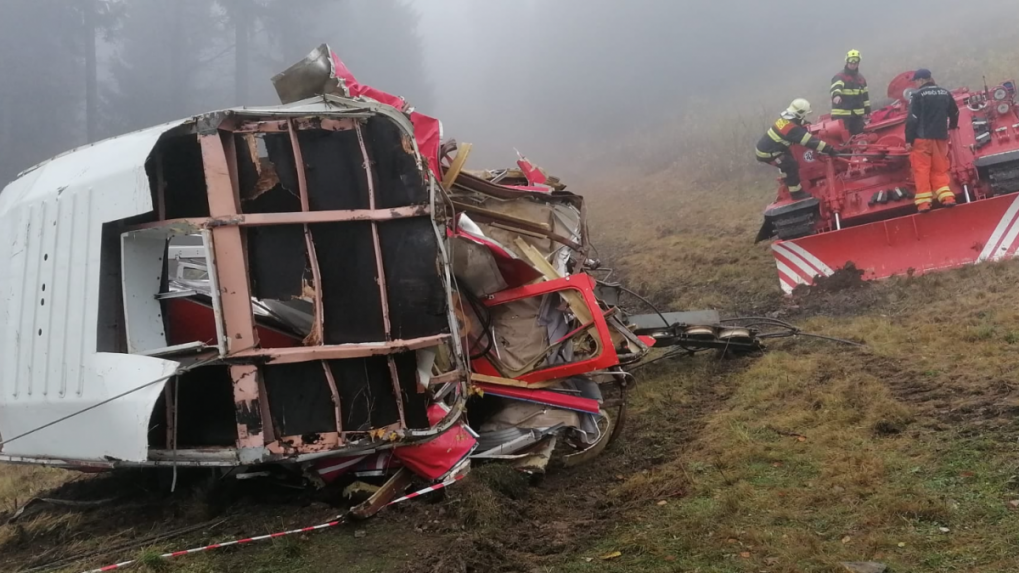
{"points": [[20, 483], [824, 454]]}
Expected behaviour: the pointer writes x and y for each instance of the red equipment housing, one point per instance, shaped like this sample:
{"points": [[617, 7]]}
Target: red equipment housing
{"points": [[861, 209]]}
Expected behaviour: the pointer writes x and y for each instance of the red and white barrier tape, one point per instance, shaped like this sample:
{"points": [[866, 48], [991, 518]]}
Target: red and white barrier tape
{"points": [[247, 540]]}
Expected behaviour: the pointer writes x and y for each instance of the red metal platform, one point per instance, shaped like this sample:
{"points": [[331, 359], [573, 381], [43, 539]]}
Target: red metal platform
{"points": [[971, 233]]}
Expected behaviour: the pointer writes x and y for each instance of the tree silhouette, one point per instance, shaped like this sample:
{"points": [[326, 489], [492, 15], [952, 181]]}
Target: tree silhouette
{"points": [[168, 62]]}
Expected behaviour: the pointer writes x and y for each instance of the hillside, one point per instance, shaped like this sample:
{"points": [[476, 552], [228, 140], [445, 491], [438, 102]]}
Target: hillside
{"points": [[903, 451]]}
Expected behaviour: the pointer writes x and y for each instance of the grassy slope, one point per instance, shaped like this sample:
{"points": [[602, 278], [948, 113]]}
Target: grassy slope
{"points": [[823, 454], [794, 461]]}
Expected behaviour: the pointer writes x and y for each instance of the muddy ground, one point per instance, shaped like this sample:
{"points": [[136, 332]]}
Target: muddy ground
{"points": [[495, 520]]}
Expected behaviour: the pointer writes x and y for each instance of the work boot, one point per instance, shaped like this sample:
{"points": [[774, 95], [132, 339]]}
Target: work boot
{"points": [[799, 195], [948, 201], [923, 207]]}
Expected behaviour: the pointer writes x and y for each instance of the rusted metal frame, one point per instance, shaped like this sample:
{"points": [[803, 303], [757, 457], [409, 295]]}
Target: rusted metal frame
{"points": [[339, 351], [316, 273], [301, 123], [311, 217], [232, 271], [335, 216], [219, 161], [380, 269], [334, 391], [338, 216]]}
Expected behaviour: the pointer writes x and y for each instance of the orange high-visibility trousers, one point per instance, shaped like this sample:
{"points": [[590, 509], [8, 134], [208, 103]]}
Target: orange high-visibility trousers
{"points": [[929, 159]]}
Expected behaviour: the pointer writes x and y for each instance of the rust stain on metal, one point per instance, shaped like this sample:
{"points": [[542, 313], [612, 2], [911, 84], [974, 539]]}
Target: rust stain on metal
{"points": [[246, 405], [340, 351], [325, 123], [265, 169], [271, 126], [305, 444], [301, 123], [180, 226], [224, 222]]}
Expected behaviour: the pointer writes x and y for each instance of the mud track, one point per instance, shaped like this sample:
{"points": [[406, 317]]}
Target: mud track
{"points": [[573, 507], [493, 521]]}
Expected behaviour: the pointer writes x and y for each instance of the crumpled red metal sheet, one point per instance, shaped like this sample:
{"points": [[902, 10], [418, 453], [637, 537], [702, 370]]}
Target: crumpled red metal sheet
{"points": [[427, 130], [434, 459]]}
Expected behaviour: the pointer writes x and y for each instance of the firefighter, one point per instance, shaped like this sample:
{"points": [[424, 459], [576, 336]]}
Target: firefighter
{"points": [[788, 130], [850, 100], [932, 112]]}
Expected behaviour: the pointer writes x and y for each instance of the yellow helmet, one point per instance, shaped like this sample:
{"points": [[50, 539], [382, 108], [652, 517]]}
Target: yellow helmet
{"points": [[853, 55]]}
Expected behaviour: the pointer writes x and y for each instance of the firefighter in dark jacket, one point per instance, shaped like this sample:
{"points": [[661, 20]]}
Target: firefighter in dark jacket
{"points": [[774, 146], [850, 100], [932, 112]]}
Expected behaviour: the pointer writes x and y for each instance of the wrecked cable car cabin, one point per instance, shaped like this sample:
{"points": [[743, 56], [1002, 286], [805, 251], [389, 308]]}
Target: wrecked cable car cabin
{"points": [[253, 285]]}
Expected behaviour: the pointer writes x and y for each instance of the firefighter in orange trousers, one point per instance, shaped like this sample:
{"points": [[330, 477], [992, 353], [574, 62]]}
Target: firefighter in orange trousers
{"points": [[932, 112]]}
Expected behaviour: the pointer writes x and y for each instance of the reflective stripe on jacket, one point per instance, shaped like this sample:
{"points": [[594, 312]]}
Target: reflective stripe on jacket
{"points": [[784, 133], [852, 88]]}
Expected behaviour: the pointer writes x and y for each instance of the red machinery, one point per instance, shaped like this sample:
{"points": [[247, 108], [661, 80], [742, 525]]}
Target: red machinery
{"points": [[861, 209]]}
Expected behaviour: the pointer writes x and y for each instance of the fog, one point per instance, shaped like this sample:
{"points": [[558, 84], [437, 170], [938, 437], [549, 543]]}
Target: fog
{"points": [[552, 78], [558, 77]]}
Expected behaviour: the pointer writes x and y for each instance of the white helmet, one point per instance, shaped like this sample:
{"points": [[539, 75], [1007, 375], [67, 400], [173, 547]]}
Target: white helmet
{"points": [[799, 109]]}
